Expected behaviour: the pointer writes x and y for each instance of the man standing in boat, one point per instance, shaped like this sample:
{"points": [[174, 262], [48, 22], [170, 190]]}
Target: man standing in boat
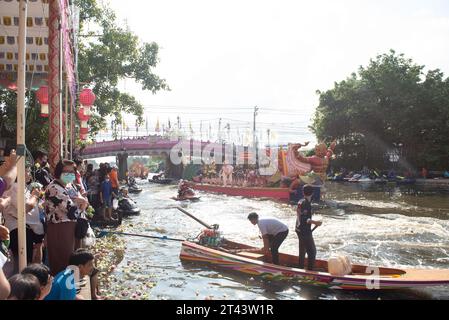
{"points": [[273, 232], [304, 229]]}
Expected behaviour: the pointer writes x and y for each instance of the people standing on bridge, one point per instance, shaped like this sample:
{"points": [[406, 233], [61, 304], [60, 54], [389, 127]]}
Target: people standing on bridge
{"points": [[273, 232]]}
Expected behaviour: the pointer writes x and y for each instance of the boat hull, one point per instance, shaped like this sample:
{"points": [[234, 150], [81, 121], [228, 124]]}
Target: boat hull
{"points": [[275, 193], [389, 279]]}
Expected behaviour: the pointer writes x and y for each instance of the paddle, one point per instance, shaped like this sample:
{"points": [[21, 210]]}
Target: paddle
{"points": [[104, 233], [196, 219]]}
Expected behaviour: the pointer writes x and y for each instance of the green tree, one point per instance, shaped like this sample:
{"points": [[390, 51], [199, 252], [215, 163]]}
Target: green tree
{"points": [[36, 126], [107, 54], [110, 53], [389, 106]]}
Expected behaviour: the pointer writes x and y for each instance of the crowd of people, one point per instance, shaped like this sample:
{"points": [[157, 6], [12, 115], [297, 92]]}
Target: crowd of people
{"points": [[241, 176], [57, 206]]}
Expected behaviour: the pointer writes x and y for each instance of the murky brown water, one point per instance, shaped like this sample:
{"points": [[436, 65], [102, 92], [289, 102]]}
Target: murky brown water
{"points": [[385, 226]]}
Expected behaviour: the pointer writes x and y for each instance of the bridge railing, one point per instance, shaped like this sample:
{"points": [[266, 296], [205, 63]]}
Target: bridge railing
{"points": [[141, 144]]}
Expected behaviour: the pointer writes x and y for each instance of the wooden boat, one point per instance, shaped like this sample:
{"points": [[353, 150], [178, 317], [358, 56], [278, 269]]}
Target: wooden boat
{"points": [[361, 278], [249, 192]]}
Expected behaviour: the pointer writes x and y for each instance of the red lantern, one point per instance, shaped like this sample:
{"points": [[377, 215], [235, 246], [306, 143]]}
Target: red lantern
{"points": [[83, 117], [84, 130], [42, 97], [87, 100], [83, 136]]}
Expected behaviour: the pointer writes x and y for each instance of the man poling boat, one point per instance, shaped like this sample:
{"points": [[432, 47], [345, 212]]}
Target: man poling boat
{"points": [[273, 233]]}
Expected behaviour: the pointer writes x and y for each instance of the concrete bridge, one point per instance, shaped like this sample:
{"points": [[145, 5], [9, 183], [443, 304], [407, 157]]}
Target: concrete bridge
{"points": [[156, 146], [149, 146]]}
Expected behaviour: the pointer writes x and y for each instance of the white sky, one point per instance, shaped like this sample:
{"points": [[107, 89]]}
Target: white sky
{"points": [[220, 55]]}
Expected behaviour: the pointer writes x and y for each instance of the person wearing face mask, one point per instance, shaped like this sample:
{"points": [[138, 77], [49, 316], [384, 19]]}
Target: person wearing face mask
{"points": [[41, 171], [62, 210]]}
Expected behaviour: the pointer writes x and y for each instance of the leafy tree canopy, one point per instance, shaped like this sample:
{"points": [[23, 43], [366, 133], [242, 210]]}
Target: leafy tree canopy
{"points": [[389, 106], [107, 54]]}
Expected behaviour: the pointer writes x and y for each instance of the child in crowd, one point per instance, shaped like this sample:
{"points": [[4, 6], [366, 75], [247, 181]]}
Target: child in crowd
{"points": [[24, 287]]}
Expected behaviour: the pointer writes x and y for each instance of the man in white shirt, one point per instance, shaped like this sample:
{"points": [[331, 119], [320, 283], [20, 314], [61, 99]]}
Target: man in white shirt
{"points": [[273, 232]]}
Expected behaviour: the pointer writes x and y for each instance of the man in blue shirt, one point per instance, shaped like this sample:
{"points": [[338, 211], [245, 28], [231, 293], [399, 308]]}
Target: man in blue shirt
{"points": [[106, 193], [65, 283]]}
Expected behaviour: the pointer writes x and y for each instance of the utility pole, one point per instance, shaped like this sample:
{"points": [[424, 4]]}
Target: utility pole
{"points": [[219, 131], [268, 135], [21, 127], [210, 131], [256, 109]]}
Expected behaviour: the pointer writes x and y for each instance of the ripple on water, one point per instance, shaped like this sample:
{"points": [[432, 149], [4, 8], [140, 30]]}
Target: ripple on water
{"points": [[371, 229]]}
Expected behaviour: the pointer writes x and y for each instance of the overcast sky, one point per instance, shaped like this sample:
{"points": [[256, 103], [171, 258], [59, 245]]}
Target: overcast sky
{"points": [[218, 56]]}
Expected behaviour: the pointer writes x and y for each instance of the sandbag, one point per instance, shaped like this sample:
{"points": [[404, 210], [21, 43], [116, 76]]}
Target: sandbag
{"points": [[339, 266]]}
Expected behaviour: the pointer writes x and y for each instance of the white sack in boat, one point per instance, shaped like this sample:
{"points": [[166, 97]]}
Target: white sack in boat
{"points": [[339, 266]]}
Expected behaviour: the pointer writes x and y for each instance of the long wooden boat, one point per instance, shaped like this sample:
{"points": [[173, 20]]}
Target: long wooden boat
{"points": [[248, 192], [361, 278]]}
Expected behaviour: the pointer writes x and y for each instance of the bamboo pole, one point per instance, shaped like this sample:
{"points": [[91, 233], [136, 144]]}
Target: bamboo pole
{"points": [[72, 131], [66, 131], [61, 62], [23, 7]]}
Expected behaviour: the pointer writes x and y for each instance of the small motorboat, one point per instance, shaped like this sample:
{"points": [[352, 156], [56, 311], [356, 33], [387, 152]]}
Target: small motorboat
{"points": [[355, 178], [134, 188], [380, 181], [127, 207]]}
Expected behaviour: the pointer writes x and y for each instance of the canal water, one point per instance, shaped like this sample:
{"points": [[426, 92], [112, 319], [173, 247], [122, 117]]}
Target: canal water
{"points": [[377, 225]]}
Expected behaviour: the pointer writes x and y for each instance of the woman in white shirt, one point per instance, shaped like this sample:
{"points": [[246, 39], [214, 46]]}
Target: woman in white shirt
{"points": [[34, 230]]}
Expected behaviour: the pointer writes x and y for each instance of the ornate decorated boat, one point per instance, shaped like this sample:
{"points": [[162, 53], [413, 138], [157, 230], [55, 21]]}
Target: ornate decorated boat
{"points": [[362, 277], [291, 163], [249, 192]]}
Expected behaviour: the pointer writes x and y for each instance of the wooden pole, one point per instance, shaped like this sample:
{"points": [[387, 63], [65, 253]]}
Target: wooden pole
{"points": [[61, 106], [21, 228], [72, 129], [66, 131], [54, 133], [194, 218]]}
